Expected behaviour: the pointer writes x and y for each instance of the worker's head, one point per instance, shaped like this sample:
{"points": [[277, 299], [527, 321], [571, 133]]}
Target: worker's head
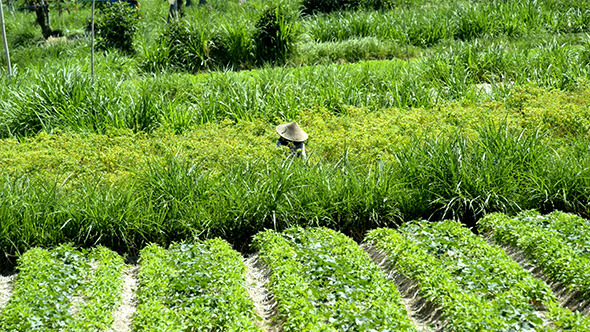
{"points": [[291, 132]]}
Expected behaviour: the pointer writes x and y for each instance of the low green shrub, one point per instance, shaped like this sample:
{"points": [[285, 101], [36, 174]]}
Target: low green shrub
{"points": [[115, 28], [187, 46], [448, 262], [47, 282], [320, 279], [556, 242], [101, 292], [193, 287], [232, 46]]}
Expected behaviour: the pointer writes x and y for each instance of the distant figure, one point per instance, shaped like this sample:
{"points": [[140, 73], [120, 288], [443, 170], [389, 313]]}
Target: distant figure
{"points": [[293, 137], [175, 11], [133, 4]]}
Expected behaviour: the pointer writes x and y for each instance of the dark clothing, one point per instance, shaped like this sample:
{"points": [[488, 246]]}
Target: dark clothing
{"points": [[297, 148]]}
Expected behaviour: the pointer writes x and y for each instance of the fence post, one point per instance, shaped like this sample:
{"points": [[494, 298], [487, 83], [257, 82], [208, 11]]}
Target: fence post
{"points": [[92, 45], [5, 42]]}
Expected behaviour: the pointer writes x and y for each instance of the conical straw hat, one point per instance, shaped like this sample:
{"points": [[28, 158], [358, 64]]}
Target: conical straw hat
{"points": [[292, 132]]}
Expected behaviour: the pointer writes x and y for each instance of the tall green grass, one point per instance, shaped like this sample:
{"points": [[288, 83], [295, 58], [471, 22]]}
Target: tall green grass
{"points": [[457, 49], [226, 29], [67, 99], [427, 24], [462, 176]]}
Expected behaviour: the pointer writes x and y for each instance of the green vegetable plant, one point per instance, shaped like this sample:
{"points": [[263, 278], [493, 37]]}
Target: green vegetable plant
{"points": [[323, 281], [101, 291], [478, 287], [557, 242], [193, 287], [49, 280], [46, 283]]}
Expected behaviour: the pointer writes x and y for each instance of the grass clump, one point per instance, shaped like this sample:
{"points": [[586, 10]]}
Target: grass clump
{"points": [[183, 45], [275, 35], [116, 27]]}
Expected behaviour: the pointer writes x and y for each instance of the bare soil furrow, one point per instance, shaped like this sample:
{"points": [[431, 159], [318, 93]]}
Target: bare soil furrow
{"points": [[124, 313], [425, 316], [265, 306], [568, 299], [6, 287]]}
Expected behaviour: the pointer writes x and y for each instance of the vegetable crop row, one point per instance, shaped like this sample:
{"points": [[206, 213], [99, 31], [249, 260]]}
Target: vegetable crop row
{"points": [[48, 282], [323, 281], [43, 290], [477, 285], [101, 291], [558, 243], [193, 287]]}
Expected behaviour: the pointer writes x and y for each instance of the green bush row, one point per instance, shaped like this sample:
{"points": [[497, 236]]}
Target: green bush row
{"points": [[288, 285], [550, 241], [42, 294], [193, 287], [153, 279], [101, 291], [362, 135], [48, 281], [477, 285], [323, 281]]}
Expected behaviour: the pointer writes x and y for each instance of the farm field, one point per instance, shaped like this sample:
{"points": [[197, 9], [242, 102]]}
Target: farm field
{"points": [[446, 185], [423, 276]]}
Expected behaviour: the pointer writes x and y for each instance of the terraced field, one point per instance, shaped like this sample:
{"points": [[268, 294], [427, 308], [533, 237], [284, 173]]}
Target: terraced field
{"points": [[420, 277]]}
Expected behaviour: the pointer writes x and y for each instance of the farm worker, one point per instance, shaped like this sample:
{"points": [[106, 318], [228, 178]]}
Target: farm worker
{"points": [[293, 136]]}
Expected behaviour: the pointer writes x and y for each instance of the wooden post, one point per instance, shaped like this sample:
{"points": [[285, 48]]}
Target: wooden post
{"points": [[92, 45], [406, 31], [5, 42]]}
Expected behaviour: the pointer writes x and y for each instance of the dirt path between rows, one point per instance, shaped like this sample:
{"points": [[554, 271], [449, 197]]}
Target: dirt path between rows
{"points": [[122, 316], [425, 316], [265, 306], [568, 299], [6, 286]]}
